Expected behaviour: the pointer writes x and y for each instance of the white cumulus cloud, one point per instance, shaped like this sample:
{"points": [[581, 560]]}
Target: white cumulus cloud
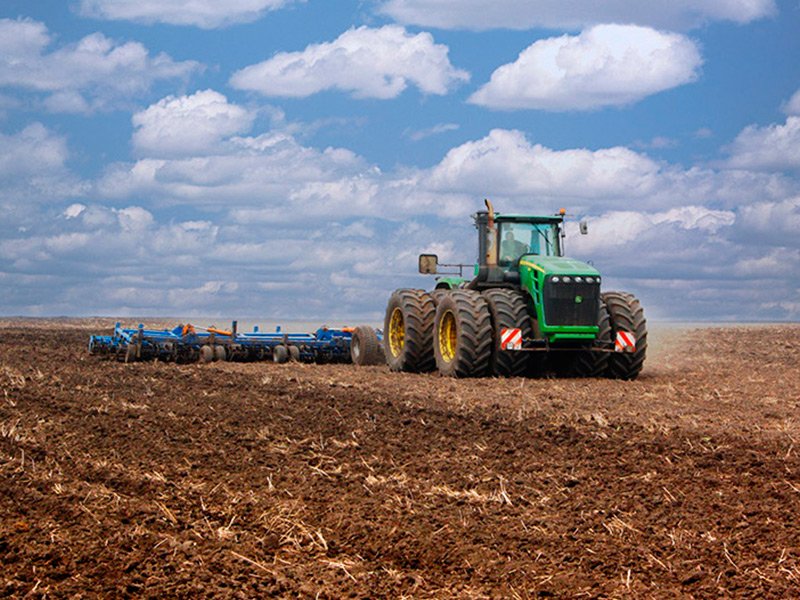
{"points": [[73, 211], [206, 14], [571, 14], [506, 163], [792, 106], [243, 172], [188, 125], [369, 63], [134, 218], [606, 65], [620, 228], [775, 147], [91, 73], [771, 223], [34, 150]]}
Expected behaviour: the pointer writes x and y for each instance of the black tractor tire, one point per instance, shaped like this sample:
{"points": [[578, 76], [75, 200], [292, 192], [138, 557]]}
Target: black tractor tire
{"points": [[438, 294], [408, 331], [509, 309], [462, 334], [280, 354], [206, 354], [626, 314], [585, 363], [365, 348], [294, 353]]}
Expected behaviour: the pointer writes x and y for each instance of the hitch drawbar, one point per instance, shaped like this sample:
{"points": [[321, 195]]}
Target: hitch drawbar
{"points": [[511, 339], [190, 343]]}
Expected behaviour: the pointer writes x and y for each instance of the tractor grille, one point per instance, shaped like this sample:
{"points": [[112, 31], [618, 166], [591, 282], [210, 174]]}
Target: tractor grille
{"points": [[561, 307]]}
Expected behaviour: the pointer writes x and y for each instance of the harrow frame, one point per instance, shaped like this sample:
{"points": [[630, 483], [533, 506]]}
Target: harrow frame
{"points": [[189, 343]]}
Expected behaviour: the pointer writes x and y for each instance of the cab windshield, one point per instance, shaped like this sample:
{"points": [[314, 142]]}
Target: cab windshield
{"points": [[517, 239]]}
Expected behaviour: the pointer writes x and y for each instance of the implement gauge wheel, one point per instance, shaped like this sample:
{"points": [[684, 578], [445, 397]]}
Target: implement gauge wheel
{"points": [[408, 331], [365, 349], [280, 354], [463, 337], [206, 354], [626, 314]]}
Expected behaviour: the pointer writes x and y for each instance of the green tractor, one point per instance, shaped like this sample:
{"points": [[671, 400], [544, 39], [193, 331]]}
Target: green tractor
{"points": [[528, 310]]}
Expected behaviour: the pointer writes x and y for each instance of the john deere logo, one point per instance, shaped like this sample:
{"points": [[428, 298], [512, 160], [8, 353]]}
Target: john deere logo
{"points": [[578, 299]]}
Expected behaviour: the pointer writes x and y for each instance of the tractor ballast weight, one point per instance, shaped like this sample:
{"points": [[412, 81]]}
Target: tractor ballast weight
{"points": [[527, 309]]}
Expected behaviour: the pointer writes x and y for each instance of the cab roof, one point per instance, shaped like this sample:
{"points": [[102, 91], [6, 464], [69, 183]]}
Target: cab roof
{"points": [[523, 218]]}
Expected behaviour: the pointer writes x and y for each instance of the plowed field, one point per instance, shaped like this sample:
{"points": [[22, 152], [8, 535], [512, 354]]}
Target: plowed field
{"points": [[250, 480]]}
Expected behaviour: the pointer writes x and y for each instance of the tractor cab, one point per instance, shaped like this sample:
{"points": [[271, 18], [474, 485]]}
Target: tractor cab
{"points": [[505, 240], [520, 237], [514, 236]]}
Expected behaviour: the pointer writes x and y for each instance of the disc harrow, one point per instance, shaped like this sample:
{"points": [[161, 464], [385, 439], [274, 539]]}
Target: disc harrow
{"points": [[190, 343]]}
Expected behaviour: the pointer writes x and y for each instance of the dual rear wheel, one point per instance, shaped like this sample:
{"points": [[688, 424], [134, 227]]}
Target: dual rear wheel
{"points": [[408, 331], [456, 332], [462, 334]]}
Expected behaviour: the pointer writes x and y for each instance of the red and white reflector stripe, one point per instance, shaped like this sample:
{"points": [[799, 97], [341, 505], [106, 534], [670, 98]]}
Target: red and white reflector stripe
{"points": [[626, 342], [511, 339]]}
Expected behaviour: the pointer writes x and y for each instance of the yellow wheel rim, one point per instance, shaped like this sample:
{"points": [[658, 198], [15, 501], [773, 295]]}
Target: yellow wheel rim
{"points": [[397, 332], [447, 336]]}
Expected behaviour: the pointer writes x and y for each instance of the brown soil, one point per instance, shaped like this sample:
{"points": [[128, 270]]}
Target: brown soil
{"points": [[249, 480]]}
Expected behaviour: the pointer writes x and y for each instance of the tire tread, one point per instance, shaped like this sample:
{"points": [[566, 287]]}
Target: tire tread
{"points": [[626, 314], [418, 311], [508, 309], [474, 331]]}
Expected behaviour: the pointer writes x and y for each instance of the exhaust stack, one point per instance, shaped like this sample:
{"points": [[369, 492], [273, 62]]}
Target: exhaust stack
{"points": [[491, 236]]}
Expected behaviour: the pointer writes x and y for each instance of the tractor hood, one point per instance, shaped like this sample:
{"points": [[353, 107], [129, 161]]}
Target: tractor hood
{"points": [[557, 265]]}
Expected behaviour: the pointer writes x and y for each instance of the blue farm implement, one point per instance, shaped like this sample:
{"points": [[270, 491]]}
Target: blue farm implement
{"points": [[188, 343]]}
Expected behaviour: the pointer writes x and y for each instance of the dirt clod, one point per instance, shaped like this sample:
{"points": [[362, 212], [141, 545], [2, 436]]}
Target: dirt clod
{"points": [[333, 481]]}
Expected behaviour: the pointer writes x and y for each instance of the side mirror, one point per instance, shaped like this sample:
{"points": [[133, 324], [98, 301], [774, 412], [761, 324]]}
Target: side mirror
{"points": [[584, 227], [428, 264]]}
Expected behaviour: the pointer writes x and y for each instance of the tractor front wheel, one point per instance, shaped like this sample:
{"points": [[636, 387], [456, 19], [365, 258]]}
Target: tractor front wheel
{"points": [[462, 338], [626, 314], [509, 310], [408, 331]]}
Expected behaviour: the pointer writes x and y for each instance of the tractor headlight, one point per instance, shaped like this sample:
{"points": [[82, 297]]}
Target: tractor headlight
{"points": [[567, 279], [579, 279], [590, 280], [555, 279]]}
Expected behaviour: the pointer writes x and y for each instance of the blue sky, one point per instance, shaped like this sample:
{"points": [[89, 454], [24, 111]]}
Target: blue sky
{"points": [[288, 159]]}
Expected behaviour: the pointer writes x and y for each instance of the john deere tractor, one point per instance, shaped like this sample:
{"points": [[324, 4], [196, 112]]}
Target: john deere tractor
{"points": [[528, 309]]}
